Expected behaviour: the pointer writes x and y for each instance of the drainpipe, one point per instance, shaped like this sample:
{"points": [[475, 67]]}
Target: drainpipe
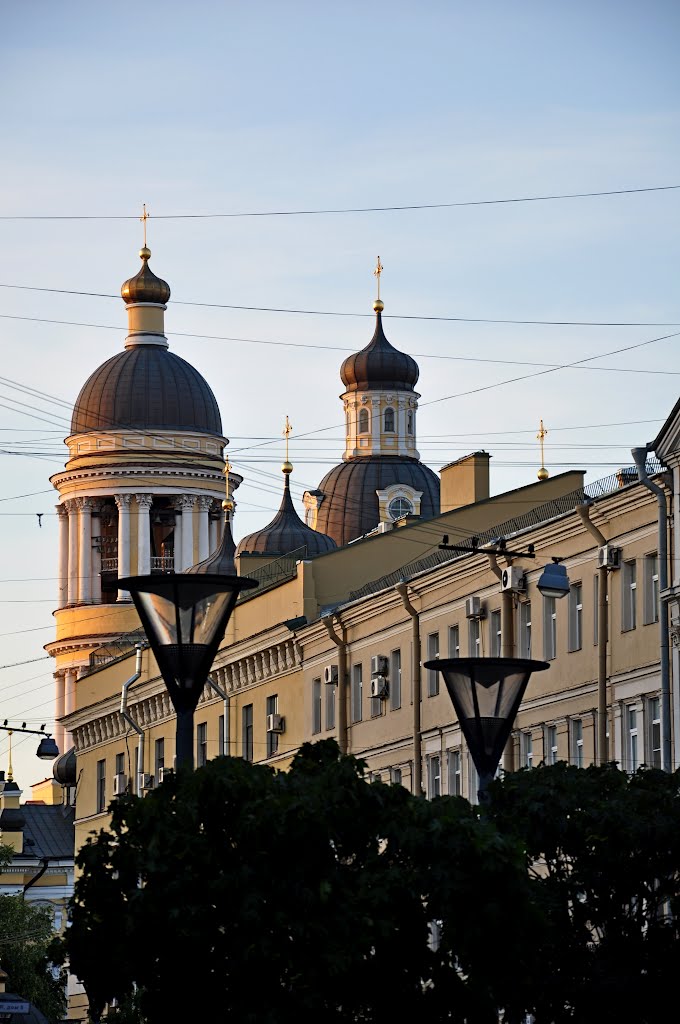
{"points": [[342, 679], [214, 685], [602, 635], [507, 642], [45, 862], [402, 590], [130, 721], [640, 456]]}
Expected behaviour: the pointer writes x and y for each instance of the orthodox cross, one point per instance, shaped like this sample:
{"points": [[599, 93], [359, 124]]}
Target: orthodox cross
{"points": [[540, 437], [287, 431], [145, 216], [227, 470], [377, 272]]}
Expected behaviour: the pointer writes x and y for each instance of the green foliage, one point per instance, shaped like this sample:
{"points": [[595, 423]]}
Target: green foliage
{"points": [[309, 895], [25, 938]]}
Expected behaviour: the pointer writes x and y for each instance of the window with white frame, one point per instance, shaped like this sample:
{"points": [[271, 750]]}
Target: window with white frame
{"points": [[432, 655], [473, 781], [434, 776], [316, 706], [651, 595], [330, 689], [526, 747], [632, 757], [221, 738], [495, 631], [395, 680], [551, 744], [272, 708], [577, 756], [628, 596], [575, 617], [101, 786], [389, 420], [454, 641], [395, 776], [357, 692], [247, 732], [455, 779], [409, 422], [654, 732], [475, 638], [159, 760], [549, 628], [596, 606], [525, 629]]}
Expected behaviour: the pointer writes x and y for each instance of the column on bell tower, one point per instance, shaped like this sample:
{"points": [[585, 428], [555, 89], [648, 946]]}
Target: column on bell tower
{"points": [[123, 505], [144, 503]]}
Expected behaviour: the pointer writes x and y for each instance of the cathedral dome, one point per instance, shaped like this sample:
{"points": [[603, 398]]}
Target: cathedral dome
{"points": [[379, 366], [286, 532], [350, 506]]}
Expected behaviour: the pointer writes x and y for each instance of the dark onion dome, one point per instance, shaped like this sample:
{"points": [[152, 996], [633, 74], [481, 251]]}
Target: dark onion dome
{"points": [[379, 366], [221, 562], [145, 286], [286, 532], [350, 506], [146, 387]]}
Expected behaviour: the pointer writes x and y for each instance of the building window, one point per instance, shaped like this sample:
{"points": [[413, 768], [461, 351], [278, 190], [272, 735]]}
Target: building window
{"points": [[272, 708], [549, 628], [577, 742], [575, 617], [496, 636], [432, 655], [409, 422], [632, 739], [159, 760], [654, 731], [395, 776], [628, 596], [101, 786], [363, 421], [221, 744], [316, 706], [525, 629], [247, 732], [455, 779], [454, 641], [389, 421], [395, 680], [120, 764], [651, 596], [400, 507], [551, 745], [434, 776], [473, 781], [201, 744], [330, 705], [475, 638], [357, 692], [526, 746]]}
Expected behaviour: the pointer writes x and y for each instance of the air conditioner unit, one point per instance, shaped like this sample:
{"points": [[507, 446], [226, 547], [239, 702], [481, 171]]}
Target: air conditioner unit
{"points": [[276, 723], [380, 664], [146, 782], [379, 687], [608, 557], [474, 609], [513, 579], [119, 784], [330, 675], [164, 773]]}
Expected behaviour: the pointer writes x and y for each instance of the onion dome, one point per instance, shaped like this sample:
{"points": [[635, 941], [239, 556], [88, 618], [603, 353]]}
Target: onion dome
{"points": [[286, 532], [221, 562], [379, 366], [145, 286], [350, 506]]}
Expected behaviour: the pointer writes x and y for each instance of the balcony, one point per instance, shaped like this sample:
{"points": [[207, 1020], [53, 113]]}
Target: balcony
{"points": [[110, 564], [162, 563]]}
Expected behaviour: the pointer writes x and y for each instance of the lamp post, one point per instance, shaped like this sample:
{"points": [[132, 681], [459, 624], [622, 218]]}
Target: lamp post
{"points": [[486, 694], [185, 617]]}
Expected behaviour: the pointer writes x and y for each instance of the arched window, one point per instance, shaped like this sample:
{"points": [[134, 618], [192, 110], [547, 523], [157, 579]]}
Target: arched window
{"points": [[409, 422], [363, 421], [389, 421]]}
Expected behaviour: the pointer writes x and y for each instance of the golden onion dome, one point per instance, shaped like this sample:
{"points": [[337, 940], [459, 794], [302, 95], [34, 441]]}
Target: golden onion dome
{"points": [[145, 286]]}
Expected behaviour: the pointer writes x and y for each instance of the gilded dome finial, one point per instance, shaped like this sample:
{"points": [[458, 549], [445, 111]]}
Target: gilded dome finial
{"points": [[378, 304], [145, 286], [228, 503], [287, 467], [543, 473]]}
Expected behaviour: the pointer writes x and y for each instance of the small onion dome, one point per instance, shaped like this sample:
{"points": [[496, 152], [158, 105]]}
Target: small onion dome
{"points": [[286, 532], [221, 562], [64, 768], [379, 366], [145, 286]]}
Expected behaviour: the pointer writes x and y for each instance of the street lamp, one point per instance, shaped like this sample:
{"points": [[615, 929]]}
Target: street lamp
{"points": [[185, 617], [47, 748], [553, 581], [486, 693]]}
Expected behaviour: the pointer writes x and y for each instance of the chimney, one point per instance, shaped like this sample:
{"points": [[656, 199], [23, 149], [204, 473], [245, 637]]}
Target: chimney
{"points": [[12, 820], [465, 481]]}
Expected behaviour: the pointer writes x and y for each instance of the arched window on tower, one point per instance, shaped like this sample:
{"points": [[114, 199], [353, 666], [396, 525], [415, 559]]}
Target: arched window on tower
{"points": [[363, 421], [409, 422], [389, 421]]}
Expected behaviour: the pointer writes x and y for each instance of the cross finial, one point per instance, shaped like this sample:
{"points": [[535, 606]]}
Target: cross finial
{"points": [[145, 216], [10, 770], [287, 431], [540, 437], [377, 272], [228, 503]]}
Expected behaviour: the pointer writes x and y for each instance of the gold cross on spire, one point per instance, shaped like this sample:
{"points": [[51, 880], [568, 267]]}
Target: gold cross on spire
{"points": [[10, 770], [540, 437], [377, 272], [145, 216], [287, 431], [228, 503]]}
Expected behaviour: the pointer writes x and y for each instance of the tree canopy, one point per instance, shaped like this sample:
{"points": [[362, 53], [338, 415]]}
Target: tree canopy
{"points": [[313, 895]]}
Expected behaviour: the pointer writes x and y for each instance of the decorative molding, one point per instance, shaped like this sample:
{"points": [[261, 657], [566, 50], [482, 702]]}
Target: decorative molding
{"points": [[144, 501], [122, 501]]}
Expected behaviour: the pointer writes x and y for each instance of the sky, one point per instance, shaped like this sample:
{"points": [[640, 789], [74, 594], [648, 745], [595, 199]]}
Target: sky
{"points": [[233, 107]]}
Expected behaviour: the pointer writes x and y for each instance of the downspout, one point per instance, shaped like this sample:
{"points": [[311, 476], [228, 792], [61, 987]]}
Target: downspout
{"points": [[640, 456], [130, 720], [507, 642], [44, 861], [214, 685], [402, 590], [342, 680], [602, 635]]}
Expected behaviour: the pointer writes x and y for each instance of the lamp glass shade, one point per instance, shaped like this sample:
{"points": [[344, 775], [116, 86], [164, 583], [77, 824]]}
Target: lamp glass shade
{"points": [[47, 749], [553, 581], [486, 694]]}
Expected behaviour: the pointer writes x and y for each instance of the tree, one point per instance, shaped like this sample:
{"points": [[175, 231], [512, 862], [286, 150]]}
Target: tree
{"points": [[25, 935]]}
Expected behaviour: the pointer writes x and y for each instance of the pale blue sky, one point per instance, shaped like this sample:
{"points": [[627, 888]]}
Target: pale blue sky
{"points": [[226, 107]]}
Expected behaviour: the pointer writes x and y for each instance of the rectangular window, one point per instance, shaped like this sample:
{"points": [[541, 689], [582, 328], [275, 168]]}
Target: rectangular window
{"points": [[575, 617], [454, 641], [551, 744], [330, 705], [434, 776], [549, 628], [247, 732], [201, 744], [101, 786], [159, 760], [272, 708], [473, 781], [525, 629], [475, 638], [654, 731], [577, 742], [526, 745], [395, 680], [221, 746], [455, 779], [631, 721], [651, 596], [628, 596], [357, 692], [496, 636], [395, 776], [432, 655], [120, 764], [316, 706]]}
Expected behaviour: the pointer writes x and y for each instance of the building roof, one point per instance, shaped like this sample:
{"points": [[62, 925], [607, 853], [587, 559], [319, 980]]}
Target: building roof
{"points": [[285, 532], [379, 366], [48, 831]]}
